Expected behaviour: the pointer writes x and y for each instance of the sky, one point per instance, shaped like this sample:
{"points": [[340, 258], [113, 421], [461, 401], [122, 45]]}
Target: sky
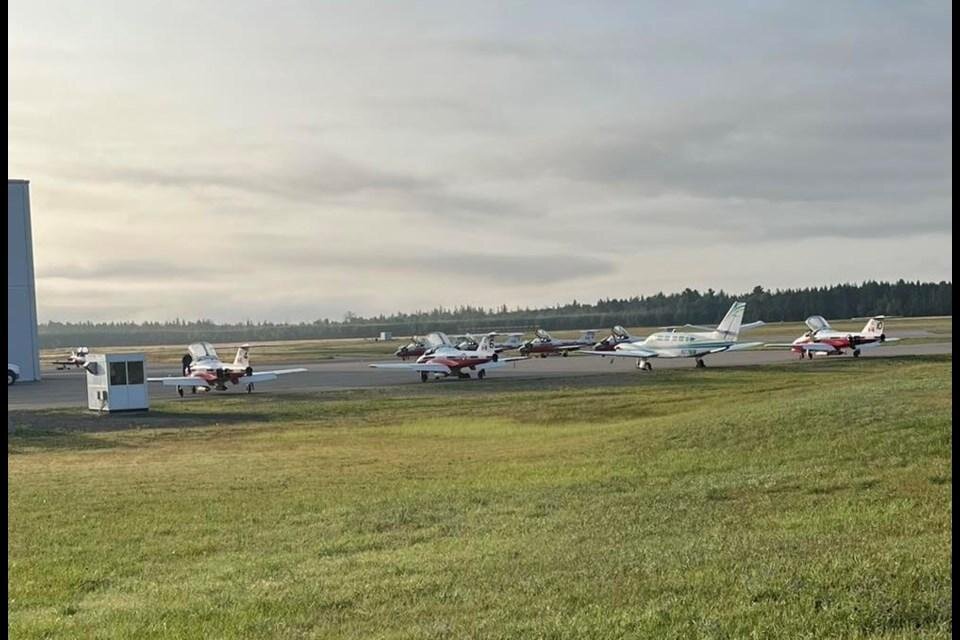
{"points": [[289, 161]]}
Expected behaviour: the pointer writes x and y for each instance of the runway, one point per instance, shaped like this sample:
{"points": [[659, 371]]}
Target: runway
{"points": [[68, 388]]}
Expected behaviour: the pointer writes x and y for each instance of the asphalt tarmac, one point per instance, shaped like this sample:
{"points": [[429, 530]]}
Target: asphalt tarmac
{"points": [[68, 388]]}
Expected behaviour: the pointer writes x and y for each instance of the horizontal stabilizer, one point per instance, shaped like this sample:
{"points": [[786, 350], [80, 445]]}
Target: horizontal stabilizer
{"points": [[740, 346]]}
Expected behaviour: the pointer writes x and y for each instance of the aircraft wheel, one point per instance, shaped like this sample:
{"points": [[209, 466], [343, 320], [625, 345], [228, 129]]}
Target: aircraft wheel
{"points": [[193, 390], [250, 387], [700, 364], [856, 353], [543, 355], [423, 376], [648, 366], [564, 354], [180, 390], [481, 374], [809, 355]]}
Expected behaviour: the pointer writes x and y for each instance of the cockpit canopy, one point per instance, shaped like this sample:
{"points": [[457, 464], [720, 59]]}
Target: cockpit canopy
{"points": [[816, 323], [437, 339], [202, 350]]}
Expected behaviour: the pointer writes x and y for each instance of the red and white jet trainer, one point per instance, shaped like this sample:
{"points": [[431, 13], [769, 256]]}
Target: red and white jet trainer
{"points": [[77, 358], [617, 335], [544, 344], [203, 370], [446, 360], [823, 340]]}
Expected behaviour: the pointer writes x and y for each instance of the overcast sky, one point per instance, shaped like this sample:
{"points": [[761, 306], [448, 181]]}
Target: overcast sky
{"points": [[294, 160]]}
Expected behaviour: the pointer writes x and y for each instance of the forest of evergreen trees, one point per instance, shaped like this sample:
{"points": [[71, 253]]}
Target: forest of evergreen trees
{"points": [[834, 302]]}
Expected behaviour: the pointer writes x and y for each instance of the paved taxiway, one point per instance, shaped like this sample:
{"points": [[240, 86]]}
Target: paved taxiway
{"points": [[68, 388]]}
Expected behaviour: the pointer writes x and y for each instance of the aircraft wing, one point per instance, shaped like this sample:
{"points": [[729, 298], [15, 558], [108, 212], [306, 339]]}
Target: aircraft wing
{"points": [[570, 347], [624, 353], [426, 367], [278, 372], [181, 381], [806, 346]]}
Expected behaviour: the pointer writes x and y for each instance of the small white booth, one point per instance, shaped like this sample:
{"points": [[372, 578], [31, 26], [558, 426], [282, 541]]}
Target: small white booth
{"points": [[117, 382]]}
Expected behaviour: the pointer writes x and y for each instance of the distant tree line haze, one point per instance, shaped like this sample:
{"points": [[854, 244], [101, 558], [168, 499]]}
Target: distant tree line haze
{"points": [[835, 302]]}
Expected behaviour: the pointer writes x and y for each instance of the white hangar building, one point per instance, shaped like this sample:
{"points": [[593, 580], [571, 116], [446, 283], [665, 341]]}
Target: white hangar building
{"points": [[23, 348]]}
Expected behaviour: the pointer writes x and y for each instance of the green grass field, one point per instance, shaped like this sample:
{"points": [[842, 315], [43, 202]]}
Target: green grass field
{"points": [[770, 502]]}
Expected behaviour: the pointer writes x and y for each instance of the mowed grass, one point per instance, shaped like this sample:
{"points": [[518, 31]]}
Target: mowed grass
{"points": [[768, 502]]}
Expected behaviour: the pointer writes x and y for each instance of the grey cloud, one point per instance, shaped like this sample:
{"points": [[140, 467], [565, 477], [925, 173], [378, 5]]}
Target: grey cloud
{"points": [[439, 258], [131, 269]]}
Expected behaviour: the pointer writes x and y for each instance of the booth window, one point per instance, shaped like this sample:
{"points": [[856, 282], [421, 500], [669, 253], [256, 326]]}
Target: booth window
{"points": [[135, 372], [118, 373]]}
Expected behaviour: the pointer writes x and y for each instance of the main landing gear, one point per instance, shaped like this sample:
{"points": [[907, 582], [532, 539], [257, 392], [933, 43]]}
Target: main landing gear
{"points": [[481, 374], [856, 353], [700, 363], [249, 387], [423, 376], [642, 364], [180, 390]]}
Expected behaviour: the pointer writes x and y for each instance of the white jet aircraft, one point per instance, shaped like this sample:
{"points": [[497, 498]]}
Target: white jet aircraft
{"points": [[77, 358], [823, 340], [203, 370], [686, 344], [444, 359]]}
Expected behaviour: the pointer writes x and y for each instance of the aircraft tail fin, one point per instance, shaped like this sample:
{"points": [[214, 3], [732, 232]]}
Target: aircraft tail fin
{"points": [[243, 356], [729, 327], [874, 327], [486, 343]]}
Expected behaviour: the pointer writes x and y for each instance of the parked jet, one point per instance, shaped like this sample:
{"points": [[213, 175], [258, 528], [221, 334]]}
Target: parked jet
{"points": [[446, 359], [821, 339], [203, 370], [544, 344], [413, 349], [617, 335], [470, 342], [77, 358], [687, 344]]}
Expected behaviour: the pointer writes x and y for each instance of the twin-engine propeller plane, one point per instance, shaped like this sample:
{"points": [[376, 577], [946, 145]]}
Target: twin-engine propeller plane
{"points": [[545, 345], [687, 344], [445, 359], [203, 370], [823, 340], [77, 358]]}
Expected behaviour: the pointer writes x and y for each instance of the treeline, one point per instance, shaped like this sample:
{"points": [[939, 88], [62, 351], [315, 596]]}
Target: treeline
{"points": [[835, 302]]}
